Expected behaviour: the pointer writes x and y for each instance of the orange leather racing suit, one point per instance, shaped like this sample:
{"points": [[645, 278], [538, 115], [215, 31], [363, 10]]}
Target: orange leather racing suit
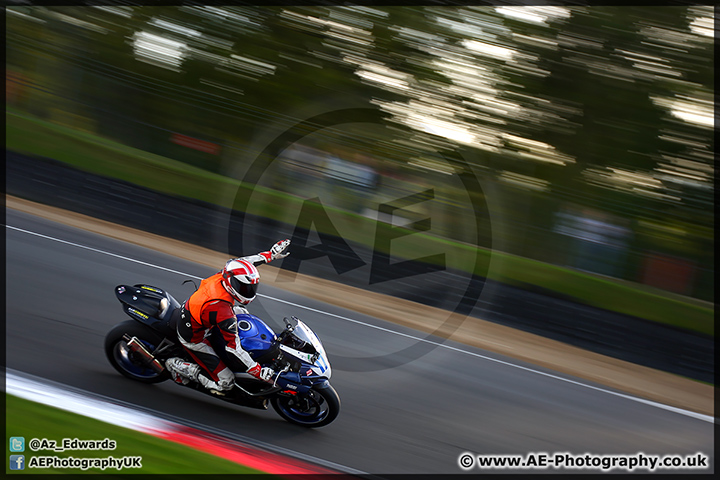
{"points": [[209, 307]]}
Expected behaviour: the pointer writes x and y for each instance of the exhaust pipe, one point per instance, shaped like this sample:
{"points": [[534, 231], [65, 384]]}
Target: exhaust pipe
{"points": [[148, 359]]}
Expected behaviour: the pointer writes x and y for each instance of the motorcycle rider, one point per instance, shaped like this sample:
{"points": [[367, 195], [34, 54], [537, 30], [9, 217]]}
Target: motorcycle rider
{"points": [[212, 306]]}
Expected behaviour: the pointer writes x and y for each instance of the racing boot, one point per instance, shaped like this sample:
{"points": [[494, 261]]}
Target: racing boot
{"points": [[182, 372], [185, 372]]}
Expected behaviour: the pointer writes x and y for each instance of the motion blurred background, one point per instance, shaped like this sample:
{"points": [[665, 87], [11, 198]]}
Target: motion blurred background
{"points": [[590, 129]]}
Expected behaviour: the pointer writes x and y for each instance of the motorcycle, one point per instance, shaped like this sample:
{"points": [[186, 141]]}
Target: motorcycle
{"points": [[300, 393]]}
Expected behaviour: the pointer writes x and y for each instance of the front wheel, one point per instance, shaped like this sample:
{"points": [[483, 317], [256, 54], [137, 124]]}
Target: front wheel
{"points": [[316, 408], [124, 360]]}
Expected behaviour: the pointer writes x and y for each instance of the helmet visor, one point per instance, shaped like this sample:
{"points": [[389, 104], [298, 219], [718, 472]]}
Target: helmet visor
{"points": [[244, 289]]}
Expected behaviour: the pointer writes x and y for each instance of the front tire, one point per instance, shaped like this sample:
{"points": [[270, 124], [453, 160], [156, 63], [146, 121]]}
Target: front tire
{"points": [[124, 361], [317, 408]]}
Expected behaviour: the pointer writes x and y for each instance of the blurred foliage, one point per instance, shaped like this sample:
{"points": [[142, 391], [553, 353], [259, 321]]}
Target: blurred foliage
{"points": [[581, 111]]}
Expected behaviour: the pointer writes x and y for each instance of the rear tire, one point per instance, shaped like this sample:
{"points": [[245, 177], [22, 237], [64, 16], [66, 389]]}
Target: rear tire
{"points": [[317, 408], [124, 361]]}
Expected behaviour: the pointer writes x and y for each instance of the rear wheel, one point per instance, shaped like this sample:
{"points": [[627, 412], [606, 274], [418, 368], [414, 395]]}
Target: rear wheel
{"points": [[316, 408], [127, 362]]}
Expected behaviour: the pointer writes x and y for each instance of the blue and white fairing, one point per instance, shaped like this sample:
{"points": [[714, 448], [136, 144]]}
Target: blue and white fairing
{"points": [[301, 344], [314, 364]]}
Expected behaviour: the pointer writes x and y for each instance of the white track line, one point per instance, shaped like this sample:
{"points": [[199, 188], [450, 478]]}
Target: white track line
{"points": [[699, 416]]}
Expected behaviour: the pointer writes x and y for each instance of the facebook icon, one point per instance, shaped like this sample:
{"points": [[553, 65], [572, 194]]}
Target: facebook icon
{"points": [[17, 462]]}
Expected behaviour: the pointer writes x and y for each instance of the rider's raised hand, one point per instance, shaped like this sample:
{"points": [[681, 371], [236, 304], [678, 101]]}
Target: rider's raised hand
{"points": [[277, 252]]}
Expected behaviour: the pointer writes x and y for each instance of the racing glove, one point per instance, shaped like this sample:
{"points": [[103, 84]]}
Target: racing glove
{"points": [[277, 252], [262, 373]]}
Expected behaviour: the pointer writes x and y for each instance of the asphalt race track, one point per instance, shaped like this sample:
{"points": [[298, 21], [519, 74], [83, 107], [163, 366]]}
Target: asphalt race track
{"points": [[396, 417]]}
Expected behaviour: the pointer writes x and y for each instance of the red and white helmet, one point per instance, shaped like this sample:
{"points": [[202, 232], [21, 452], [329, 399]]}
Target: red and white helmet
{"points": [[240, 278]]}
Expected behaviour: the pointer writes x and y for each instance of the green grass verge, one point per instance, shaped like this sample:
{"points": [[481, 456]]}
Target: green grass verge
{"points": [[30, 420], [610, 294], [104, 157]]}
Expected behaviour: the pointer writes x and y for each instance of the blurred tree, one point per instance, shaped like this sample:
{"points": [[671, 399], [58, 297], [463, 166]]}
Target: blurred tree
{"points": [[600, 106]]}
